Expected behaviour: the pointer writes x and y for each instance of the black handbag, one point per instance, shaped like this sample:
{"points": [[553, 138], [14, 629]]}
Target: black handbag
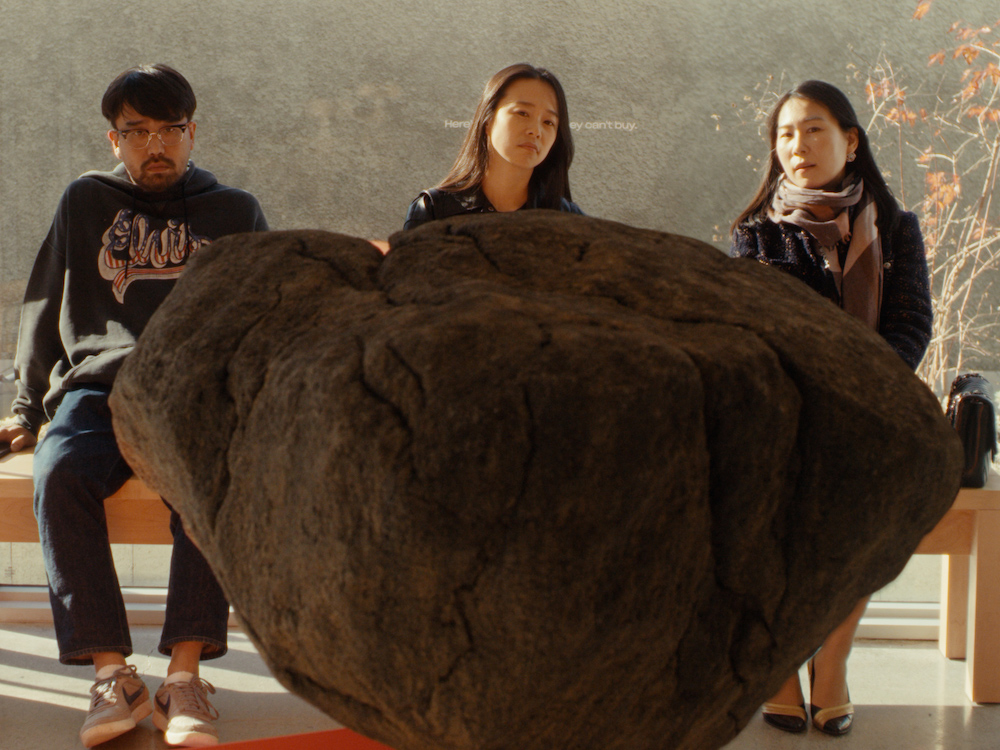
{"points": [[971, 411]]}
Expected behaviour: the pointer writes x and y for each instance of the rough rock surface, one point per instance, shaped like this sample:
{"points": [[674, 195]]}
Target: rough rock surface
{"points": [[533, 481]]}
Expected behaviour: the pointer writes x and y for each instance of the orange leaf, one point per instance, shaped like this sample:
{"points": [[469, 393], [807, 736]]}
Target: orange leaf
{"points": [[880, 90], [969, 51], [937, 57], [893, 115], [922, 9]]}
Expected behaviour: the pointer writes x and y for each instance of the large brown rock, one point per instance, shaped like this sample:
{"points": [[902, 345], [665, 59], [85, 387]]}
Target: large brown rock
{"points": [[532, 481]]}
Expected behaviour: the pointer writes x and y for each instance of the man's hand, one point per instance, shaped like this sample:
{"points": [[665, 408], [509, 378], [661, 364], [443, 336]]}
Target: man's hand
{"points": [[18, 437]]}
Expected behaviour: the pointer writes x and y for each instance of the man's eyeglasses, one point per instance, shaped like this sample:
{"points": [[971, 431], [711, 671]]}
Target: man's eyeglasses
{"points": [[169, 136]]}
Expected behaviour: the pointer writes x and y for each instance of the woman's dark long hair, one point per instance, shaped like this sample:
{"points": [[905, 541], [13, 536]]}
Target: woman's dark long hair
{"points": [[550, 179], [864, 163]]}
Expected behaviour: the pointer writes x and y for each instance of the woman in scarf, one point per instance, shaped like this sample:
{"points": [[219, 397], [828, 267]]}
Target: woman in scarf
{"points": [[516, 154], [824, 214]]}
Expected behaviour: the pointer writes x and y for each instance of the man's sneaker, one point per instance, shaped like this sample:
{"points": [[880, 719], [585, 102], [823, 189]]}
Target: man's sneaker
{"points": [[116, 704], [182, 712]]}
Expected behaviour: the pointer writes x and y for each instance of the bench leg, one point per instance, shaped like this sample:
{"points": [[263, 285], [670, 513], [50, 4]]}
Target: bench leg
{"points": [[983, 640], [954, 605]]}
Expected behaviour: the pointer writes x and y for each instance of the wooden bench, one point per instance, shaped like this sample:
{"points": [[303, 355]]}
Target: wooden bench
{"points": [[968, 536]]}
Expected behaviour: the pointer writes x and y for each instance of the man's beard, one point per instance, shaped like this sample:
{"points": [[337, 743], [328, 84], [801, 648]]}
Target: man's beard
{"points": [[157, 181]]}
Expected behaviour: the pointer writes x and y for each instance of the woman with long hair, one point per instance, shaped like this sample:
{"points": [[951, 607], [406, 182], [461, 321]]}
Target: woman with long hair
{"points": [[824, 214], [516, 154]]}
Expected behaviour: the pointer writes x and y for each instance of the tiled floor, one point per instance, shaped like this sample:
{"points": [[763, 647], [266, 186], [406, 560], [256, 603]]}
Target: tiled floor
{"points": [[43, 703], [908, 697]]}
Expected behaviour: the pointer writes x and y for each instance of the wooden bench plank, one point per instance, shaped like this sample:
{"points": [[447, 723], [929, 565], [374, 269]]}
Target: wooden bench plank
{"points": [[136, 514], [952, 536], [982, 658], [954, 613]]}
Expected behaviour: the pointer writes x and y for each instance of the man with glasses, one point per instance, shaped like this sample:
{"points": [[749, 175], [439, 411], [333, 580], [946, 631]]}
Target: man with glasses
{"points": [[117, 244]]}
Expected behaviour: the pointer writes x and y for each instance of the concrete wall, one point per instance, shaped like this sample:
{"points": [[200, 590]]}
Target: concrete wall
{"points": [[335, 113]]}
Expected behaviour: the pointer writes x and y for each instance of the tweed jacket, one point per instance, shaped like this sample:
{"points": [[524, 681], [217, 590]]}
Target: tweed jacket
{"points": [[905, 318]]}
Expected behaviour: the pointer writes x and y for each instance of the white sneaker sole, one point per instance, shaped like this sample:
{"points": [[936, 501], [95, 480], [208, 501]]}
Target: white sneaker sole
{"points": [[109, 730], [183, 738]]}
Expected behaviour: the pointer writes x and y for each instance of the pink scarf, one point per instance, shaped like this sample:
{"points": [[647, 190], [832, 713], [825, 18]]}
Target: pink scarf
{"points": [[859, 281]]}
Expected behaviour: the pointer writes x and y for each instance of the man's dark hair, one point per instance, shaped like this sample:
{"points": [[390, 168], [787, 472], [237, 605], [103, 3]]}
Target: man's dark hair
{"points": [[157, 91]]}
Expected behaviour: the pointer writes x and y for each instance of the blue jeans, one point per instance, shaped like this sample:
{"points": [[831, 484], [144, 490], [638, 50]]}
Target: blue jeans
{"points": [[77, 465]]}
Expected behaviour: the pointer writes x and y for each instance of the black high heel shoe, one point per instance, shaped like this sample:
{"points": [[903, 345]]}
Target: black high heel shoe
{"points": [[836, 720], [786, 718]]}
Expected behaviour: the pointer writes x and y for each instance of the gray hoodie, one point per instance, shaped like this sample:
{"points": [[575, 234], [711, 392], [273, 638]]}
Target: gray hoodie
{"points": [[112, 255]]}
